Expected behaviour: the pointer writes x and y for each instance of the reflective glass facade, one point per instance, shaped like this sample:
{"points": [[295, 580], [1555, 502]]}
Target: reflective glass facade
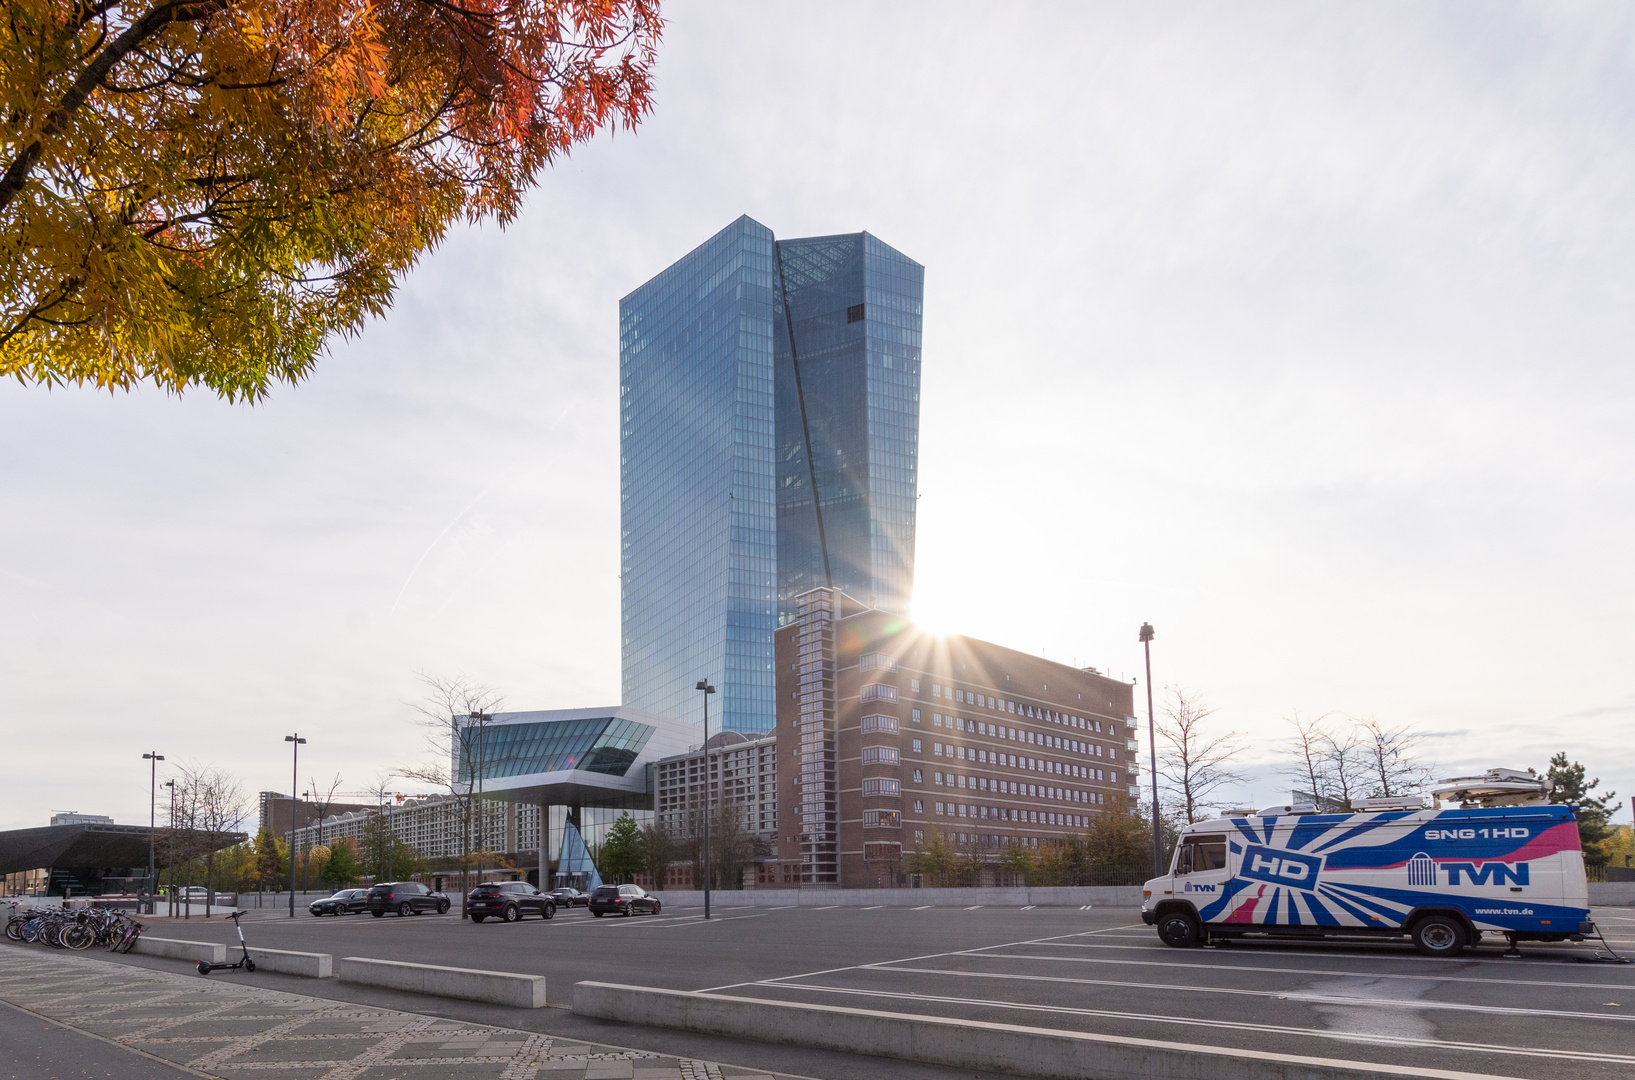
{"points": [[601, 744], [753, 373]]}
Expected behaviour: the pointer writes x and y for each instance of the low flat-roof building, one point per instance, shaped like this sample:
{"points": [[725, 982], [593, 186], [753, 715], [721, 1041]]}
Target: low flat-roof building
{"points": [[887, 733]]}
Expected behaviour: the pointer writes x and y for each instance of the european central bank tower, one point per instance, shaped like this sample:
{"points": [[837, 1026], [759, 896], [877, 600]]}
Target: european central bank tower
{"points": [[769, 422]]}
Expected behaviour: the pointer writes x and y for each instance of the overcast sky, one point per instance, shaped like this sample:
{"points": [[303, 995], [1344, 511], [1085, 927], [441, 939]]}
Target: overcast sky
{"points": [[1300, 330]]}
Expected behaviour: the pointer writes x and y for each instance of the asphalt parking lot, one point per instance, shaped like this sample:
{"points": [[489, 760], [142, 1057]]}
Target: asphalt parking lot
{"points": [[1546, 1015]]}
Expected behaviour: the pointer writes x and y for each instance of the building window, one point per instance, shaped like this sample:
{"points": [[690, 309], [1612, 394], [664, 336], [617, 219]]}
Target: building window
{"points": [[938, 807], [875, 722], [919, 807], [873, 660], [884, 786], [879, 692], [936, 719], [882, 819], [855, 313], [880, 755], [936, 689], [917, 745], [918, 777], [937, 778], [915, 716], [936, 749], [914, 684]]}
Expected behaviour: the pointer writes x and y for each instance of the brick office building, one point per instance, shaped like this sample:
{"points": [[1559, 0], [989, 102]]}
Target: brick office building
{"points": [[886, 734]]}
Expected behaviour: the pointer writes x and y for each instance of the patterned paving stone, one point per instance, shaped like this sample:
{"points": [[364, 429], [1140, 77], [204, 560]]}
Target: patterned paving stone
{"points": [[237, 1031]]}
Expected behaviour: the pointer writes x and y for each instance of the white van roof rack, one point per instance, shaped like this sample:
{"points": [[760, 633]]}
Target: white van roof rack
{"points": [[1292, 808], [1392, 802], [1496, 787]]}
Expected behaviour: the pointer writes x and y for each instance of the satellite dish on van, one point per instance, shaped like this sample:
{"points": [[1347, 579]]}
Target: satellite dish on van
{"points": [[1496, 787]]}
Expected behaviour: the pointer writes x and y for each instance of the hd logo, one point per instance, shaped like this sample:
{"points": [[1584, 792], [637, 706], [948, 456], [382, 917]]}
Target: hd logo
{"points": [[1279, 867]]}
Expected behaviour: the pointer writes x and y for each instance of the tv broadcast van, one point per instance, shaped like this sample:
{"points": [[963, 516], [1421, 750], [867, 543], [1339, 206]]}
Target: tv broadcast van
{"points": [[1506, 862]]}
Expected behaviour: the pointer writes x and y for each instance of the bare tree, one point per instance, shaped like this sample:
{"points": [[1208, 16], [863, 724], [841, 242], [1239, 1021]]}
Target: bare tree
{"points": [[210, 805], [1308, 754], [1391, 762], [731, 847], [445, 713], [1192, 761], [1346, 766]]}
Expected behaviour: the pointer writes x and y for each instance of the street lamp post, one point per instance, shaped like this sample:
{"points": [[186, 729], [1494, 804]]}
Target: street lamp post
{"points": [[1152, 752], [170, 859], [295, 742], [706, 689], [480, 719], [153, 758]]}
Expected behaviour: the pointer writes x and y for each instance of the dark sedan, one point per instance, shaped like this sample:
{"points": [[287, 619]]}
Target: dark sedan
{"points": [[570, 897], [621, 900], [405, 898], [508, 900], [345, 902]]}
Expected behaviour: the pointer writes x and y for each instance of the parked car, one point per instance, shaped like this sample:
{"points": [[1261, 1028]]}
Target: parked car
{"points": [[345, 902], [570, 897], [508, 900], [405, 898], [621, 900]]}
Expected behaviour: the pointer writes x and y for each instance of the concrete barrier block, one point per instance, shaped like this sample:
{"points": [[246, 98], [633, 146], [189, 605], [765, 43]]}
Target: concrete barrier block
{"points": [[1047, 1053], [176, 949], [494, 987], [1612, 893], [308, 965]]}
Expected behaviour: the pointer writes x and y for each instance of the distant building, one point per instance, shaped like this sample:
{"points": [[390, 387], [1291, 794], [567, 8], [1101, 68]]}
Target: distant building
{"points": [[769, 443], [887, 734], [74, 817], [277, 809], [742, 777]]}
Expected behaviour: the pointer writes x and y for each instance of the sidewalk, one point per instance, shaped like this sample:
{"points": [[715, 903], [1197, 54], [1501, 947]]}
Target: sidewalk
{"points": [[216, 1028]]}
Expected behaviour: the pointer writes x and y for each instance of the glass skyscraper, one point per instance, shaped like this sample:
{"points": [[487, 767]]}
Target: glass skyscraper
{"points": [[754, 373]]}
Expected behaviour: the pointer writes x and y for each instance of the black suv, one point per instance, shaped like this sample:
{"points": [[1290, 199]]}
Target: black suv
{"points": [[569, 897], [621, 900], [405, 898], [510, 900], [345, 902]]}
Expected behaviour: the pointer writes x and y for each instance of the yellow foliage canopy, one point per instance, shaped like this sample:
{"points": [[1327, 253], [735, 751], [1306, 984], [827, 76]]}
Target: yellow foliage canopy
{"points": [[205, 191]]}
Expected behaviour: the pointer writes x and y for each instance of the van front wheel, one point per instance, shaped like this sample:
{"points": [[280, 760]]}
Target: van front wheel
{"points": [[1439, 935], [1178, 929]]}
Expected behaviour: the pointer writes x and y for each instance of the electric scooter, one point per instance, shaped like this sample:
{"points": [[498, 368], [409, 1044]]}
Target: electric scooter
{"points": [[244, 961]]}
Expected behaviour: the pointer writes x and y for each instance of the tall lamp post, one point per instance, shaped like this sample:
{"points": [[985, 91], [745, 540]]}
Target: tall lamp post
{"points": [[480, 719], [295, 742], [706, 689], [1152, 751], [154, 758], [170, 860]]}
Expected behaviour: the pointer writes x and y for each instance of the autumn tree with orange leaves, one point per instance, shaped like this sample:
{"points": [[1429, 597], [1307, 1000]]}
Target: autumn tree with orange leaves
{"points": [[205, 192]]}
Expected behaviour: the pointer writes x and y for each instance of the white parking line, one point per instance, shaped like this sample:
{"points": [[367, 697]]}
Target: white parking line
{"points": [[875, 907], [1302, 971], [884, 963], [1277, 995], [1359, 950], [922, 907], [974, 907], [1030, 907], [1232, 1025]]}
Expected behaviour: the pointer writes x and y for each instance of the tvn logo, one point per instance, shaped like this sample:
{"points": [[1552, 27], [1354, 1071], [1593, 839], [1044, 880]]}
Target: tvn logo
{"points": [[1493, 873], [1277, 867], [1193, 886]]}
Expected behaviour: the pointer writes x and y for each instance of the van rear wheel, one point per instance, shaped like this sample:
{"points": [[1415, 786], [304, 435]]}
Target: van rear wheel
{"points": [[1178, 929], [1439, 935]]}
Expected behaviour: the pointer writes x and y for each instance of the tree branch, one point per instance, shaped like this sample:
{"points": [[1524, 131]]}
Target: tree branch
{"points": [[134, 35]]}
